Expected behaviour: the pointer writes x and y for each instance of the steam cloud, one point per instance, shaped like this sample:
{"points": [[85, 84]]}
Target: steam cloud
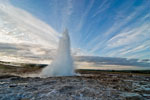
{"points": [[63, 62]]}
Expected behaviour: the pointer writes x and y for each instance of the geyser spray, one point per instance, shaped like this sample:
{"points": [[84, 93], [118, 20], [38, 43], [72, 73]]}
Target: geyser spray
{"points": [[62, 64]]}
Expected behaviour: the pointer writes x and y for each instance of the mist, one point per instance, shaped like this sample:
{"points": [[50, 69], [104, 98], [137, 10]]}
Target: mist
{"points": [[62, 64]]}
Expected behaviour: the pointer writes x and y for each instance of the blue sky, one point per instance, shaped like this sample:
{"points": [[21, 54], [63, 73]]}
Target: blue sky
{"points": [[109, 28]]}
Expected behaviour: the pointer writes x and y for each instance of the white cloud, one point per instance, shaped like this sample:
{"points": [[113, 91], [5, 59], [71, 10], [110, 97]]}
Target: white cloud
{"points": [[118, 24], [130, 41], [137, 49], [102, 7], [132, 36], [19, 26], [83, 17], [66, 13]]}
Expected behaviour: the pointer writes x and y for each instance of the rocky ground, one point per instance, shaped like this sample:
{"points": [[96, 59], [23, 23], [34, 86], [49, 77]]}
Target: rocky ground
{"points": [[103, 86]]}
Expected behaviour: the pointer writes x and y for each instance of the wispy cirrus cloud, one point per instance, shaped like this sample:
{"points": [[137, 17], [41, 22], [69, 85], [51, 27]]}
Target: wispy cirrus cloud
{"points": [[83, 16], [130, 41], [122, 34], [104, 28], [19, 26], [66, 13], [102, 7], [137, 34], [23, 36]]}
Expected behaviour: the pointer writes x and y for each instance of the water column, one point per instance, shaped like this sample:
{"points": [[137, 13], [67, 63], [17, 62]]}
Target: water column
{"points": [[62, 64]]}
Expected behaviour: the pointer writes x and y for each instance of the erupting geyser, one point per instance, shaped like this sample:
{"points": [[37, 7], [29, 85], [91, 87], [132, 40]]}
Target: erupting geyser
{"points": [[62, 64]]}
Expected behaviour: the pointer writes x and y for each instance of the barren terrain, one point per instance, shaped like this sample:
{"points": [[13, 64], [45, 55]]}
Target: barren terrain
{"points": [[102, 86]]}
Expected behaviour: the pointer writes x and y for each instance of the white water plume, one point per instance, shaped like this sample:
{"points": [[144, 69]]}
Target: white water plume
{"points": [[62, 65]]}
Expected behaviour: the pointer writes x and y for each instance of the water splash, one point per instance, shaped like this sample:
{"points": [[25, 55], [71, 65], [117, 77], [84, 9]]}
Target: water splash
{"points": [[63, 62]]}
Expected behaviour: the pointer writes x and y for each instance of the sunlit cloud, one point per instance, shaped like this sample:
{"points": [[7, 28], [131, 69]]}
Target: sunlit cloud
{"points": [[19, 26], [100, 28]]}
